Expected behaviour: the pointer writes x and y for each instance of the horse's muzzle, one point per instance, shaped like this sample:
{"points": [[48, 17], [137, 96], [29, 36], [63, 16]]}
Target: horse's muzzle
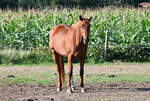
{"points": [[85, 40]]}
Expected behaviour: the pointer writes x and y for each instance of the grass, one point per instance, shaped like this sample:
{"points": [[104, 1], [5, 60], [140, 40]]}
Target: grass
{"points": [[28, 77], [42, 75], [115, 63], [51, 63], [93, 78], [118, 78]]}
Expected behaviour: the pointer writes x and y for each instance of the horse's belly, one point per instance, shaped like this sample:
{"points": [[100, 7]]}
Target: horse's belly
{"points": [[61, 51], [76, 54], [79, 54]]}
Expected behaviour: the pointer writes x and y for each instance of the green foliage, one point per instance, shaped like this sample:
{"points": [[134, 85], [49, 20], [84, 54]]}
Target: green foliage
{"points": [[127, 54], [10, 99], [129, 32]]}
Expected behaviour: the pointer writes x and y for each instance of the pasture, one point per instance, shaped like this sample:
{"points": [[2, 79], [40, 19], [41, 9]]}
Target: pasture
{"points": [[105, 82]]}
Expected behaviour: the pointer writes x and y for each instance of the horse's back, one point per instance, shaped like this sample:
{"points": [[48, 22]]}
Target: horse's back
{"points": [[59, 36], [60, 29]]}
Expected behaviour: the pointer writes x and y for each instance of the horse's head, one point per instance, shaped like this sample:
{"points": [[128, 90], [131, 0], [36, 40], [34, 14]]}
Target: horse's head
{"points": [[85, 28]]}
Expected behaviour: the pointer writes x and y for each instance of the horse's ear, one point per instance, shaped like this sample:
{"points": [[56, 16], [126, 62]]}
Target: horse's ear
{"points": [[80, 17], [90, 18]]}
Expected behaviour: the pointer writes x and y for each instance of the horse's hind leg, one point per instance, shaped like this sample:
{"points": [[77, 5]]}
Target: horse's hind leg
{"points": [[82, 60], [61, 59], [57, 58]]}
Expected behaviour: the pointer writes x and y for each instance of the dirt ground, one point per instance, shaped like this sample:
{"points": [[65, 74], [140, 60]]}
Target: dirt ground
{"points": [[94, 91]]}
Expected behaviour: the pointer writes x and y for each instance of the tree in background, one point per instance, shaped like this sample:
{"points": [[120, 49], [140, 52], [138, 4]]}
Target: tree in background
{"points": [[8, 3], [34, 3], [66, 3]]}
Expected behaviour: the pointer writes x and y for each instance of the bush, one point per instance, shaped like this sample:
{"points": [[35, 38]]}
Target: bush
{"points": [[128, 54], [13, 56]]}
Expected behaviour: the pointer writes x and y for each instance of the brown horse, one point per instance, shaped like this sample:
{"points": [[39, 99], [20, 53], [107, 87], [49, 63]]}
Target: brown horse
{"points": [[70, 41]]}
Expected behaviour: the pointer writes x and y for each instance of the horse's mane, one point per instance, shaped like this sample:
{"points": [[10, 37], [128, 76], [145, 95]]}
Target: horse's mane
{"points": [[75, 25]]}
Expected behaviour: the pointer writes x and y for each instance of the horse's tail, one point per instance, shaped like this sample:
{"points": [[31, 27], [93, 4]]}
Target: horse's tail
{"points": [[62, 73], [50, 39]]}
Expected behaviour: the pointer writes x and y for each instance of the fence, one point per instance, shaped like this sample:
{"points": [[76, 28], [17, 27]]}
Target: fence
{"points": [[139, 52]]}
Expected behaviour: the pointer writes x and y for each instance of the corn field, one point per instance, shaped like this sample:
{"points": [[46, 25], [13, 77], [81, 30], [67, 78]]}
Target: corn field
{"points": [[128, 28]]}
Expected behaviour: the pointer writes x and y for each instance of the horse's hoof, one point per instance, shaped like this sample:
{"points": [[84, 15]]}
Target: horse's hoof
{"points": [[59, 89], [69, 91], [73, 88], [82, 90]]}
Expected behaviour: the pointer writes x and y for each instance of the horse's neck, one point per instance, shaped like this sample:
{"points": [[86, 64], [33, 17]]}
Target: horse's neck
{"points": [[77, 33]]}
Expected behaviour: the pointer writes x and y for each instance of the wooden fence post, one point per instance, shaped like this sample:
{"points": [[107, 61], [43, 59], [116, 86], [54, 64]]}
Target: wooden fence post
{"points": [[106, 45]]}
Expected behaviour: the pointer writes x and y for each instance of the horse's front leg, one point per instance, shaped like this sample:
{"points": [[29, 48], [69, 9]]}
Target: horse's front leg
{"points": [[70, 67], [72, 84], [82, 60]]}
